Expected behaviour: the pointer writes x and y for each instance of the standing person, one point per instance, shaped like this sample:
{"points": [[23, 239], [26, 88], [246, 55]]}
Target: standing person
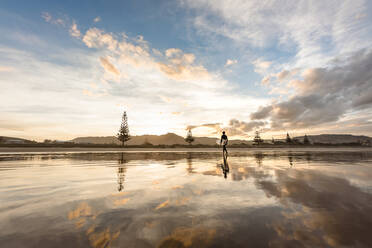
{"points": [[224, 142]]}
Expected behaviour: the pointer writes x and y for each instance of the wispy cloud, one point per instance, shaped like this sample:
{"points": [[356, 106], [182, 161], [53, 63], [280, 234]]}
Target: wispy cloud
{"points": [[6, 69], [230, 62], [108, 66], [48, 18], [261, 66], [74, 31]]}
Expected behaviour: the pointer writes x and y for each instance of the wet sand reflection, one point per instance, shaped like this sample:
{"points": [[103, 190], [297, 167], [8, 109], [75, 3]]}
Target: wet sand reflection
{"points": [[181, 199]]}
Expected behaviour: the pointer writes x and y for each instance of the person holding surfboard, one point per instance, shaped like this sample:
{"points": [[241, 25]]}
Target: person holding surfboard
{"points": [[224, 142]]}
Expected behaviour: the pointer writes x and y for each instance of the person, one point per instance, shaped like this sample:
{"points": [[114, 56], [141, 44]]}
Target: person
{"points": [[224, 140]]}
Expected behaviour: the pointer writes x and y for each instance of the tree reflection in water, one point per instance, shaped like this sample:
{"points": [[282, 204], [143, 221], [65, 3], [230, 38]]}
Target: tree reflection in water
{"points": [[121, 172], [189, 169]]}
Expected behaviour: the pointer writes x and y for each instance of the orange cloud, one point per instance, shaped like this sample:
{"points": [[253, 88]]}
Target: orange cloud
{"points": [[108, 66]]}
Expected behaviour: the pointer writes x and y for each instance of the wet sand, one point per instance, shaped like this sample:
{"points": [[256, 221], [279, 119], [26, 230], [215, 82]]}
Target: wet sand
{"points": [[186, 198], [255, 149]]}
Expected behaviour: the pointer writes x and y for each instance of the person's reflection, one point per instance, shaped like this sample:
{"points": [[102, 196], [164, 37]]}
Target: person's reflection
{"points": [[290, 159], [225, 166], [121, 172]]}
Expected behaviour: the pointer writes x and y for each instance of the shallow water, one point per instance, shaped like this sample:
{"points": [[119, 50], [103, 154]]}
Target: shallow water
{"points": [[187, 199]]}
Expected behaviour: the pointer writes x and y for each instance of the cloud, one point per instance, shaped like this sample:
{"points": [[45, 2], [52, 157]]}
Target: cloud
{"points": [[286, 74], [96, 38], [46, 16], [180, 66], [216, 126], [314, 32], [234, 128], [261, 113], [181, 72], [97, 19], [282, 75], [108, 66], [230, 62], [175, 65], [243, 128], [265, 80], [6, 69], [172, 52], [261, 66], [324, 95], [94, 93], [74, 31], [166, 99]]}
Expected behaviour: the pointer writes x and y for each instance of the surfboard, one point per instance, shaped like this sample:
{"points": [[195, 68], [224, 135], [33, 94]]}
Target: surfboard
{"points": [[224, 142]]}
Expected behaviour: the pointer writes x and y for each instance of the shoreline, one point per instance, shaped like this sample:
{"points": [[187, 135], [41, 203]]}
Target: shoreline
{"points": [[38, 150]]}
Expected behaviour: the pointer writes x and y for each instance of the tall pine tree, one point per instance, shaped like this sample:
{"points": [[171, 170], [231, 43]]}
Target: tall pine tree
{"points": [[189, 139], [123, 134], [257, 139], [306, 140], [288, 139]]}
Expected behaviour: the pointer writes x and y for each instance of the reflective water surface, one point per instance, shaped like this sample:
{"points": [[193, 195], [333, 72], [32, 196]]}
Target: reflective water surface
{"points": [[187, 199]]}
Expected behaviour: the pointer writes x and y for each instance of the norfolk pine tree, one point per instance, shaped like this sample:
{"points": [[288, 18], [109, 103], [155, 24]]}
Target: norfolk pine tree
{"points": [[288, 139], [123, 134], [189, 139], [306, 140]]}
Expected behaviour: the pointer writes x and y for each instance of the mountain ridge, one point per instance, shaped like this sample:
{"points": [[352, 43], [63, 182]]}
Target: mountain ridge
{"points": [[174, 139], [165, 139]]}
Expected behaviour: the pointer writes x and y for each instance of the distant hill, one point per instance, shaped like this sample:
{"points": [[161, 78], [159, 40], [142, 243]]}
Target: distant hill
{"points": [[174, 139], [165, 139], [335, 138], [13, 140]]}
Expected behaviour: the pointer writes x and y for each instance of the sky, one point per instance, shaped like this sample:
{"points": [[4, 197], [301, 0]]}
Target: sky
{"points": [[70, 68]]}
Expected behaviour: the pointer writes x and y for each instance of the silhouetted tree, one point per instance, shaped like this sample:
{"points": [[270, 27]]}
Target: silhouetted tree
{"points": [[288, 139], [306, 140], [189, 139], [123, 134], [257, 139], [272, 140]]}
